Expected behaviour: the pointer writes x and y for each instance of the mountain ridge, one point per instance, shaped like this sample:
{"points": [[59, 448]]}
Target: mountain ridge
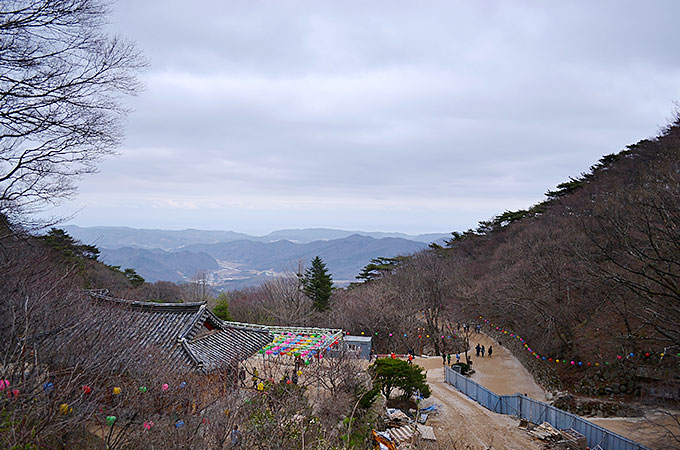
{"points": [[116, 237], [242, 263]]}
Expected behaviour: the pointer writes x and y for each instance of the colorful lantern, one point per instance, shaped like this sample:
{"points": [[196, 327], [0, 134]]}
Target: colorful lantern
{"points": [[110, 420], [148, 425], [65, 409], [142, 389], [179, 424], [4, 384], [116, 390], [86, 389], [48, 387], [165, 386]]}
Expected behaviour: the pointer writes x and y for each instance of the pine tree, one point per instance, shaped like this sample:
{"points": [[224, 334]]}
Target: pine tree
{"points": [[221, 308], [318, 284]]}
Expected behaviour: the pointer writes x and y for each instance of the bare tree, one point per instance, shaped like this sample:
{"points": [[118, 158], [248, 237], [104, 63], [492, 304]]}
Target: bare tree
{"points": [[61, 80]]}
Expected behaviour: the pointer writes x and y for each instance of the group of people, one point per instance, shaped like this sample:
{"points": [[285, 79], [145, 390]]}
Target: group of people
{"points": [[481, 350], [466, 327], [446, 358]]}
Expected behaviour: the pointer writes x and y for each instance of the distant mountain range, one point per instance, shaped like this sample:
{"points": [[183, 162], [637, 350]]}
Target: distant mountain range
{"points": [[233, 260], [116, 237]]}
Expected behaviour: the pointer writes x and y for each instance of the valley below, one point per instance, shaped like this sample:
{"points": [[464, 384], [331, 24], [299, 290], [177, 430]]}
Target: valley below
{"points": [[227, 260]]}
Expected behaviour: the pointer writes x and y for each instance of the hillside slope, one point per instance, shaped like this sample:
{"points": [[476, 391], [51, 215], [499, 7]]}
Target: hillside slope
{"points": [[588, 277]]}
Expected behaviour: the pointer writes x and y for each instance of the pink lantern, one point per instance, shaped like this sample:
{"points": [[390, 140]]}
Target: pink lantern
{"points": [[165, 387]]}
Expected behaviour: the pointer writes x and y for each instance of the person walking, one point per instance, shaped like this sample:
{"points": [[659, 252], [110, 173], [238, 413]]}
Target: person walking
{"points": [[478, 349], [236, 437], [490, 351], [443, 358], [256, 376], [457, 358], [448, 359], [482, 351], [410, 358]]}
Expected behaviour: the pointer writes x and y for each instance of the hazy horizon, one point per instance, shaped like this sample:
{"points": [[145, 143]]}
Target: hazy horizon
{"points": [[249, 233]]}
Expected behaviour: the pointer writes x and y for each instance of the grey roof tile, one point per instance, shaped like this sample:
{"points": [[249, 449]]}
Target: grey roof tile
{"points": [[173, 327]]}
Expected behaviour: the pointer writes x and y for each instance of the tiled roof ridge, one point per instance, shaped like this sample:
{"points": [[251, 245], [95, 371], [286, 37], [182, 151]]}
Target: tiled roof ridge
{"points": [[276, 329], [193, 326], [187, 349], [189, 306]]}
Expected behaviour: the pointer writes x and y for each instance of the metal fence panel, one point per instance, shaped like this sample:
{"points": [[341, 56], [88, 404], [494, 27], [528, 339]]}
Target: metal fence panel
{"points": [[538, 412]]}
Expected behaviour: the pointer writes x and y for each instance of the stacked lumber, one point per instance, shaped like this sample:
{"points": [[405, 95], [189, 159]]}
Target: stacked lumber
{"points": [[546, 432]]}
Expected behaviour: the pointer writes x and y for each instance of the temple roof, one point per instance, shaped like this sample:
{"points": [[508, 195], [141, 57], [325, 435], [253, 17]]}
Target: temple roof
{"points": [[189, 334]]}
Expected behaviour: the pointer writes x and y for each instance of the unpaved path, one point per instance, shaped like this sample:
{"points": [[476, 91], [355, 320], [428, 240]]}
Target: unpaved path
{"points": [[462, 423], [504, 375], [501, 373]]}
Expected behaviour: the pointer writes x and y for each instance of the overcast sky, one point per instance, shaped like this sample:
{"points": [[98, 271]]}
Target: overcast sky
{"points": [[375, 115]]}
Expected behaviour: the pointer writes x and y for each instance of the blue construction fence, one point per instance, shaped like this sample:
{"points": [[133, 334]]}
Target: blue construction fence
{"points": [[538, 412]]}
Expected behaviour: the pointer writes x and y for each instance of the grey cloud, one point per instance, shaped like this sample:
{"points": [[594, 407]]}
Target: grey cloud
{"points": [[466, 108]]}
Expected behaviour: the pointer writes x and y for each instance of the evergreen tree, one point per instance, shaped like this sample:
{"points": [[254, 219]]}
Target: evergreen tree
{"points": [[318, 284], [391, 373], [221, 308], [379, 267]]}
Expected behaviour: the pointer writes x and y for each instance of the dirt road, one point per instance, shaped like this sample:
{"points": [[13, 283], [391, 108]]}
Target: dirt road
{"points": [[462, 423], [469, 422], [502, 373]]}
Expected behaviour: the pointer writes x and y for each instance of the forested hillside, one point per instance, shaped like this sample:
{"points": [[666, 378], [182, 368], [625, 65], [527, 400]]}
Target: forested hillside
{"points": [[590, 275]]}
